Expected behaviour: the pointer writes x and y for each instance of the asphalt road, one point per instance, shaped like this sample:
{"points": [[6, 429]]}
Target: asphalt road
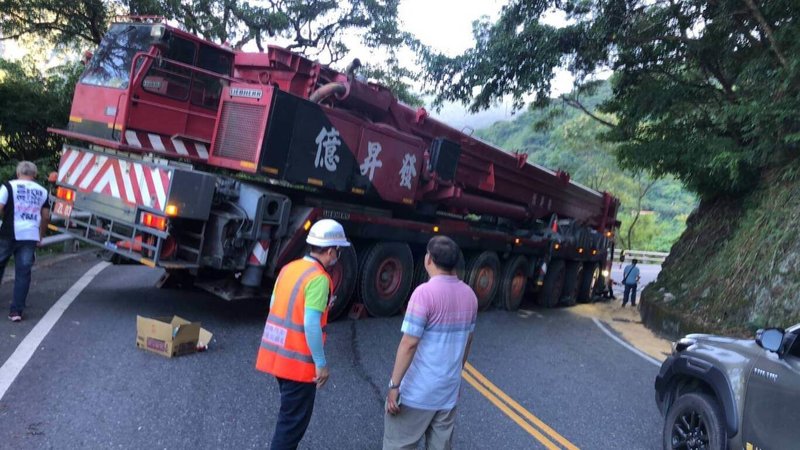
{"points": [[88, 386]]}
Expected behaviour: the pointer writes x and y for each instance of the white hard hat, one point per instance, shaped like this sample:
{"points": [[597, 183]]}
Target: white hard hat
{"points": [[327, 233]]}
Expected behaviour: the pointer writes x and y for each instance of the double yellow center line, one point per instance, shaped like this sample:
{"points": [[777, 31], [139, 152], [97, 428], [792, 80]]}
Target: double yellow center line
{"points": [[516, 412]]}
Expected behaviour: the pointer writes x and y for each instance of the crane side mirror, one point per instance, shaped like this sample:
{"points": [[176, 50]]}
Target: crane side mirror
{"points": [[770, 339]]}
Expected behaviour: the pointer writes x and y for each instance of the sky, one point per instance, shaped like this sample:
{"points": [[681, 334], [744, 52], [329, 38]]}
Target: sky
{"points": [[447, 26]]}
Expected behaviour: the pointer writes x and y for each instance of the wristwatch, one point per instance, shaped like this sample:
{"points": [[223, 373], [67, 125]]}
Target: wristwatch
{"points": [[392, 385]]}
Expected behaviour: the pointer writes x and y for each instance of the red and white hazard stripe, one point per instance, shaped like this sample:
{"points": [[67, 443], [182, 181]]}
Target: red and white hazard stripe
{"points": [[132, 182], [259, 255], [176, 146]]}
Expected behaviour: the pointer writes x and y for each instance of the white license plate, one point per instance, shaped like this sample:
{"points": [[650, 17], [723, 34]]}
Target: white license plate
{"points": [[62, 209]]}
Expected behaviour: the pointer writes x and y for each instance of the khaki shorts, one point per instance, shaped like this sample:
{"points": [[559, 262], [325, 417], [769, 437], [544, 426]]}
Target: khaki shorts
{"points": [[405, 429]]}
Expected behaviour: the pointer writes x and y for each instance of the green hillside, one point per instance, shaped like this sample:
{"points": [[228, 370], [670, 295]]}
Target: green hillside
{"points": [[566, 139]]}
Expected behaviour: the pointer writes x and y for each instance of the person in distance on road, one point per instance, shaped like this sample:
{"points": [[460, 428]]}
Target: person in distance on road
{"points": [[292, 346], [437, 335], [25, 213], [630, 278]]}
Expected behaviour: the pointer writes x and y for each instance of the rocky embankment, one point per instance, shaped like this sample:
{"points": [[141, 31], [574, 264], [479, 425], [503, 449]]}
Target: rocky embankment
{"points": [[736, 268]]}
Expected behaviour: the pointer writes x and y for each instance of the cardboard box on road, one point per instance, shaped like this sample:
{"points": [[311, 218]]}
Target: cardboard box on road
{"points": [[170, 336]]}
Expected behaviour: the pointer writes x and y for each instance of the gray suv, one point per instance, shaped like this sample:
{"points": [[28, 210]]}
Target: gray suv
{"points": [[717, 393]]}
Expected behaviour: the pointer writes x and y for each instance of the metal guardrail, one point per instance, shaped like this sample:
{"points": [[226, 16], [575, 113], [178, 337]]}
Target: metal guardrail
{"points": [[644, 257]]}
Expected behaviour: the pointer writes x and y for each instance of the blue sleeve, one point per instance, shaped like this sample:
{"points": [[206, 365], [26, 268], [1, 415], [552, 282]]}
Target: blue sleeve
{"points": [[313, 328]]}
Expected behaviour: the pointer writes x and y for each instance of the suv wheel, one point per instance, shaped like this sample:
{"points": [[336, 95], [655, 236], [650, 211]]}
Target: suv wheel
{"points": [[694, 421]]}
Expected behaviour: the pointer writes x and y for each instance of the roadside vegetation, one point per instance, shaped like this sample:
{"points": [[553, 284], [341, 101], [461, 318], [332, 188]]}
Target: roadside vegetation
{"points": [[704, 92], [33, 99], [654, 210]]}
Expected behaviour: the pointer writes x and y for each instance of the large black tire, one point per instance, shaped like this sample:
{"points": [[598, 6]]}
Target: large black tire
{"points": [[553, 284], [483, 276], [176, 279], [420, 273], [573, 276], [461, 267], [386, 277], [513, 280], [695, 419], [591, 273], [344, 275]]}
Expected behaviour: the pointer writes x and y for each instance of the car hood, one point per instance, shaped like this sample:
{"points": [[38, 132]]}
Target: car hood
{"points": [[744, 347]]}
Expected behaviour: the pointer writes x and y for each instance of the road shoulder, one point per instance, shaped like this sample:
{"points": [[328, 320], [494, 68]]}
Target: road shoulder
{"points": [[627, 323], [49, 281]]}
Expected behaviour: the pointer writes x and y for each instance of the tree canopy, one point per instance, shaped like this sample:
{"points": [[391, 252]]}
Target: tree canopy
{"points": [[313, 27], [31, 102], [705, 90]]}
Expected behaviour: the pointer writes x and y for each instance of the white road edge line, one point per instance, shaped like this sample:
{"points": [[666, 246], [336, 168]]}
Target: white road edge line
{"points": [[17, 361], [619, 341]]}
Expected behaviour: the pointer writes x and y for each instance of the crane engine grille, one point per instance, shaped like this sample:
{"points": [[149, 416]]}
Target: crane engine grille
{"points": [[239, 132]]}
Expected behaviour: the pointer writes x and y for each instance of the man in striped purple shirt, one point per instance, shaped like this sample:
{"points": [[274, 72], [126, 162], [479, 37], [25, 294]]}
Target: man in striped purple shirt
{"points": [[437, 334]]}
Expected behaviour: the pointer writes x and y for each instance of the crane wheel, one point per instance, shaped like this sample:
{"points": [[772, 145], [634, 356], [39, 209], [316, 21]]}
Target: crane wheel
{"points": [[513, 280], [573, 276], [483, 276], [420, 274], [386, 277], [461, 267], [553, 284], [591, 273], [343, 275], [176, 279]]}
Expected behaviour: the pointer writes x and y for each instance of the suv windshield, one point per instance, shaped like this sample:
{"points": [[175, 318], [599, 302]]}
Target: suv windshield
{"points": [[111, 64]]}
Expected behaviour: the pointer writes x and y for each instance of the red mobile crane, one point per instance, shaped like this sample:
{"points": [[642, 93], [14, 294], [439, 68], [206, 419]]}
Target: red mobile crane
{"points": [[213, 163]]}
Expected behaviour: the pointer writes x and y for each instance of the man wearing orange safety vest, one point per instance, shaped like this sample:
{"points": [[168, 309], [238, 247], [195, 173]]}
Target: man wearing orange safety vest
{"points": [[292, 344]]}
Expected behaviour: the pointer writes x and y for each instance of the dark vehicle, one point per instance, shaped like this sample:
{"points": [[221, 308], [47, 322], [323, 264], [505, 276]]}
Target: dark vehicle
{"points": [[717, 393]]}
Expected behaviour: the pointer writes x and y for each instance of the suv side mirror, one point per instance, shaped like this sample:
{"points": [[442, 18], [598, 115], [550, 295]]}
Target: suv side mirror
{"points": [[770, 339]]}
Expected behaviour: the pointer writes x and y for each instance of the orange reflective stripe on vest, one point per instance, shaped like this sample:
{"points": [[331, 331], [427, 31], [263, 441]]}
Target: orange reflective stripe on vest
{"points": [[284, 351]]}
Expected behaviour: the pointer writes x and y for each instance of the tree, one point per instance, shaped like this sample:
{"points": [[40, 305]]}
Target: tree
{"points": [[56, 21], [570, 142], [576, 149], [32, 102], [643, 185], [314, 27], [705, 90]]}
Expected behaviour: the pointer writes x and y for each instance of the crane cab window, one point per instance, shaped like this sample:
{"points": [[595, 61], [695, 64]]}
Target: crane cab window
{"points": [[207, 89], [111, 64], [169, 79]]}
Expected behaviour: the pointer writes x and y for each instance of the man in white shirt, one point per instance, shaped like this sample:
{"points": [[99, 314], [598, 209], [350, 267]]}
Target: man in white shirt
{"points": [[26, 213]]}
